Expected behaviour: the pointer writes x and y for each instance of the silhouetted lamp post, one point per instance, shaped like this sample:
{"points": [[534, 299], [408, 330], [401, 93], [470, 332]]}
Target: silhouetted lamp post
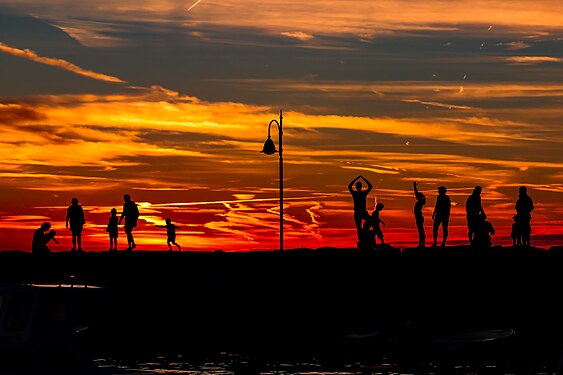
{"points": [[270, 149]]}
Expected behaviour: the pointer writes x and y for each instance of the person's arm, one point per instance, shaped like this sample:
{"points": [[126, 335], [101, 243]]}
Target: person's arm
{"points": [[382, 222], [67, 218], [160, 226], [352, 184], [122, 214], [492, 230], [370, 186], [414, 184]]}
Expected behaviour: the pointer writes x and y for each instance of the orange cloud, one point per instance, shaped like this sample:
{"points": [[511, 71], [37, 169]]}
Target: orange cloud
{"points": [[529, 60], [298, 35]]}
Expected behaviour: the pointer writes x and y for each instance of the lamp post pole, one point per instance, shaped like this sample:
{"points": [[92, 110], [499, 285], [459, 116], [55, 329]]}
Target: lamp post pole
{"points": [[270, 149]]}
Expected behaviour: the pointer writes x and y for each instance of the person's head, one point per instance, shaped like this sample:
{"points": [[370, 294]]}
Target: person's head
{"points": [[45, 226], [420, 197], [442, 190], [168, 221], [477, 190], [523, 190], [379, 206], [358, 185], [74, 201], [127, 198], [113, 212]]}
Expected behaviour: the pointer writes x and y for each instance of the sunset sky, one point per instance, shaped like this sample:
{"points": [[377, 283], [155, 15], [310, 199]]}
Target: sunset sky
{"points": [[170, 101]]}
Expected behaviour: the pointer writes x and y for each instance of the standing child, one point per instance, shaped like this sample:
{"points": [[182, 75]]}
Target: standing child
{"points": [[112, 230], [171, 233], [376, 221]]}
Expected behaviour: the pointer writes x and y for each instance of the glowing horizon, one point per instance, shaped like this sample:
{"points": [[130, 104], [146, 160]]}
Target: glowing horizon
{"points": [[169, 102]]}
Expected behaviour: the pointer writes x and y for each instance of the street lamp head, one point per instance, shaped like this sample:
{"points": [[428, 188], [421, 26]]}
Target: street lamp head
{"points": [[269, 147]]}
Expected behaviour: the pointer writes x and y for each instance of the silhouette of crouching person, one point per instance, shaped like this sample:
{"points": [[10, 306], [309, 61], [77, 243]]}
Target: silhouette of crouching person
{"points": [[371, 230], [41, 238], [483, 230]]}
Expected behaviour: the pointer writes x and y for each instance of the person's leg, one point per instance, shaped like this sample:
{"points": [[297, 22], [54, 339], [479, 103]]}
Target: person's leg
{"points": [[435, 227], [358, 222], [79, 240], [445, 232], [129, 237], [110, 243], [421, 234], [73, 241], [169, 245], [178, 246]]}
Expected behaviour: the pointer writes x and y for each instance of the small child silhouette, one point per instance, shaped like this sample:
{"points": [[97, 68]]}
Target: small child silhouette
{"points": [[171, 232], [112, 230]]}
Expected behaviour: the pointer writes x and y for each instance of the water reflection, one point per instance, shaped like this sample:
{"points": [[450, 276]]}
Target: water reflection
{"points": [[235, 365]]}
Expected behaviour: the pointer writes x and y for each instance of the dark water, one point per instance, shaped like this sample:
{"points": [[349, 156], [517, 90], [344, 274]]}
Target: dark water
{"points": [[231, 364]]}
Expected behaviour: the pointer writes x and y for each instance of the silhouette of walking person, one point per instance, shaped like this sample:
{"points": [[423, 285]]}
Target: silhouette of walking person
{"points": [[420, 202], [131, 214], [41, 238], [171, 233], [441, 216], [482, 232], [112, 230], [473, 209], [75, 216], [360, 208], [524, 208]]}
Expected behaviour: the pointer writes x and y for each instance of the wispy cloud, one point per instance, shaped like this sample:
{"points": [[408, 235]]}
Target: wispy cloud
{"points": [[298, 35], [437, 104], [515, 46], [59, 63], [193, 5], [531, 60]]}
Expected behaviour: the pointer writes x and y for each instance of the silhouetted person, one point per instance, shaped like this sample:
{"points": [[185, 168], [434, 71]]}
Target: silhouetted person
{"points": [[473, 209], [482, 232], [360, 197], [441, 215], [420, 202], [112, 230], [171, 233], [374, 222], [524, 208], [41, 238], [131, 214], [75, 216], [516, 233]]}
